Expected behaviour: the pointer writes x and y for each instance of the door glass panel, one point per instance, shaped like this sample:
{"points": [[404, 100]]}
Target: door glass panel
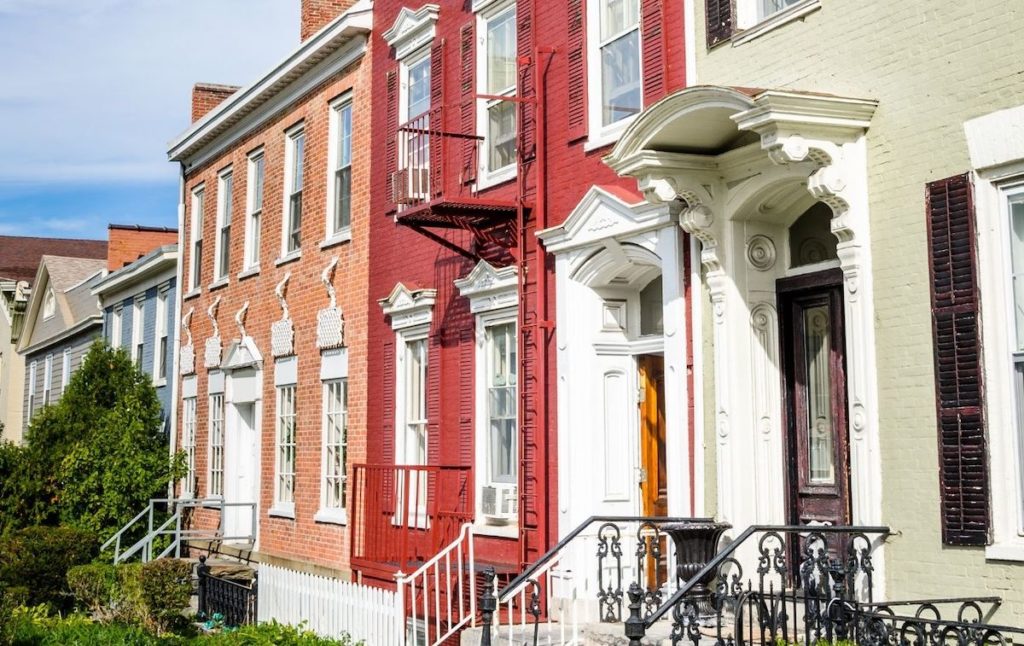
{"points": [[820, 434]]}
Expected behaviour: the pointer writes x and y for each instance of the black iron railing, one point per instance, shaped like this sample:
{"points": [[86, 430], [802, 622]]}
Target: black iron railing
{"points": [[234, 602]]}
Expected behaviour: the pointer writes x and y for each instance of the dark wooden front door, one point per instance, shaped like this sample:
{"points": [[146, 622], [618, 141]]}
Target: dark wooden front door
{"points": [[814, 358]]}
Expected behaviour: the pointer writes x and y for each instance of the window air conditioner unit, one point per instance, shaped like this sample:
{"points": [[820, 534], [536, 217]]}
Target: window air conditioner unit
{"points": [[500, 503], [410, 185]]}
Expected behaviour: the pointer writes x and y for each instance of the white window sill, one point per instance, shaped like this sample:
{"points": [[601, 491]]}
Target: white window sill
{"points": [[159, 383], [332, 516], [774, 21], [1012, 550], [483, 528], [291, 257], [282, 510], [251, 271], [217, 284], [489, 179], [343, 236], [606, 135], [196, 291]]}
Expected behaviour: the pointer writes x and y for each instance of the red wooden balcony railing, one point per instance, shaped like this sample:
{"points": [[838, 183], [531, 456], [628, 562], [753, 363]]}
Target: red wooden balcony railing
{"points": [[404, 514]]}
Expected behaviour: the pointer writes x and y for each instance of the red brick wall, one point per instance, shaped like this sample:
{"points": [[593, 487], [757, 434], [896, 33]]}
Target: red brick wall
{"points": [[301, 538], [127, 244], [401, 255], [317, 13], [207, 96]]}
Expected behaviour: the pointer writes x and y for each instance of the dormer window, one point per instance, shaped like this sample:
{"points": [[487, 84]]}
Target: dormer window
{"points": [[49, 304]]}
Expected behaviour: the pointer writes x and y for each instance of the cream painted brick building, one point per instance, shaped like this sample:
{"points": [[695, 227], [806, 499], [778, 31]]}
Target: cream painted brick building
{"points": [[931, 66]]}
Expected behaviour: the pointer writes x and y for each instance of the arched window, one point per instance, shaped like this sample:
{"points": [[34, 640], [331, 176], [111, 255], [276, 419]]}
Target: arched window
{"points": [[49, 305]]}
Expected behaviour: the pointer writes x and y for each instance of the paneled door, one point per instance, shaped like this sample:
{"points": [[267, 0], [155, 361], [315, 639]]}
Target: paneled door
{"points": [[240, 471], [817, 447], [653, 476]]}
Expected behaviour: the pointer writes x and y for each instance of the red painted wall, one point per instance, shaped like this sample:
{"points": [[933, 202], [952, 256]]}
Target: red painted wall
{"points": [[401, 255]]}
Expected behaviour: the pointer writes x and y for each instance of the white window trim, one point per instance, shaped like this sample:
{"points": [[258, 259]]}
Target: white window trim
{"points": [[117, 325], [333, 130], [493, 297], [412, 59], [189, 406], [49, 304], [138, 328], [210, 461], [403, 339], [335, 515], [599, 135], [160, 332], [486, 177], [47, 380], [251, 260], [285, 375], [196, 230], [31, 390], [221, 275], [412, 29], [290, 136], [65, 371]]}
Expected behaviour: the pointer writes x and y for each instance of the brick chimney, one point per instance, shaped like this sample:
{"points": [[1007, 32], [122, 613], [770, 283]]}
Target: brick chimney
{"points": [[317, 13], [126, 243], [207, 96]]}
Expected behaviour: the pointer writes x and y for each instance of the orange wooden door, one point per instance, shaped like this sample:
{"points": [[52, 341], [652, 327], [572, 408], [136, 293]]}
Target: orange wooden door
{"points": [[653, 478]]}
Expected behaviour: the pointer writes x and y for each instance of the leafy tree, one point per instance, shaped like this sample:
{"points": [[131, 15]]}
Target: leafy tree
{"points": [[97, 456]]}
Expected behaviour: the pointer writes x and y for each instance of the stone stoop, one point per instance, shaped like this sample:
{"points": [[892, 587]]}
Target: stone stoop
{"points": [[588, 635]]}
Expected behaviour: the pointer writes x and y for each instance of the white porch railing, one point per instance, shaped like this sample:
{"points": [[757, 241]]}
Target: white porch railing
{"points": [[330, 607], [440, 596], [171, 526]]}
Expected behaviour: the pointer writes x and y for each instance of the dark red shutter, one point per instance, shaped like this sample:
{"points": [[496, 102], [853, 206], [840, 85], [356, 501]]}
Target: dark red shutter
{"points": [[718, 15], [963, 458], [467, 106], [576, 60], [436, 115], [526, 111], [387, 407], [467, 386], [434, 400], [391, 130], [652, 42]]}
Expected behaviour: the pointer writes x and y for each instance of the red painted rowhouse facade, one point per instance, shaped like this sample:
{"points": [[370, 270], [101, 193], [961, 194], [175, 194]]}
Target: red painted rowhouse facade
{"points": [[464, 323]]}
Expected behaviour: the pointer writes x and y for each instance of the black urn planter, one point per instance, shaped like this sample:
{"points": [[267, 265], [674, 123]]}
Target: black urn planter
{"points": [[696, 544]]}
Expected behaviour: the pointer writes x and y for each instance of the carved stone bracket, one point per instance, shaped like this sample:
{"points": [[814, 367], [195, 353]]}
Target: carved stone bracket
{"points": [[187, 353], [240, 319], [282, 333], [213, 344], [330, 324]]}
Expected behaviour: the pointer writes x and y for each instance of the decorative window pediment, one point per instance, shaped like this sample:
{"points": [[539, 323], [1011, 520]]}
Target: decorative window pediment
{"points": [[488, 288], [282, 333], [412, 29], [408, 307], [213, 344], [187, 353], [330, 324], [605, 212]]}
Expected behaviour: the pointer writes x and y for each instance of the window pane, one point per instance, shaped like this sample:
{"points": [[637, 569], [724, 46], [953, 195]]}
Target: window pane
{"points": [[501, 53], [257, 185], [419, 88], [1016, 205], [502, 402], [342, 198], [501, 134], [769, 7], [298, 157], [344, 136], [227, 187], [620, 78], [817, 347], [618, 16], [254, 245], [295, 221]]}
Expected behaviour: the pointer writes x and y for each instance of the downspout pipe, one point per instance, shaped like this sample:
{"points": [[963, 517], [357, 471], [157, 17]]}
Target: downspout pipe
{"points": [[178, 292]]}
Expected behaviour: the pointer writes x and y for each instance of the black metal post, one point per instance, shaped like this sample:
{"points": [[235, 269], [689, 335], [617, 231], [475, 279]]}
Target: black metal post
{"points": [[635, 626], [488, 604], [202, 572]]}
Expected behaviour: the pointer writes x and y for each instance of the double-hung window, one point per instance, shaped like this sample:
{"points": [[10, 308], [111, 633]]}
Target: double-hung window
{"points": [[31, 404], [414, 443], [295, 155], [138, 338], [335, 442], [413, 135], [1014, 209], [48, 380], [615, 91], [339, 188], [116, 325], [254, 209], [285, 490], [160, 358], [497, 78], [225, 189], [216, 444], [196, 266], [188, 441], [65, 371], [502, 402]]}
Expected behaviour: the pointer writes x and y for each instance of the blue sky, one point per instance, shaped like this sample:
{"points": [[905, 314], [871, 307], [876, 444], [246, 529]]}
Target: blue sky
{"points": [[91, 91]]}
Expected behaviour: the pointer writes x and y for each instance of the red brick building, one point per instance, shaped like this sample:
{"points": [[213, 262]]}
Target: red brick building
{"points": [[498, 385], [274, 266]]}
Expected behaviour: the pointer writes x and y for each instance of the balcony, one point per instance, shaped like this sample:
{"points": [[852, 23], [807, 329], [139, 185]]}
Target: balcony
{"points": [[433, 184], [404, 514]]}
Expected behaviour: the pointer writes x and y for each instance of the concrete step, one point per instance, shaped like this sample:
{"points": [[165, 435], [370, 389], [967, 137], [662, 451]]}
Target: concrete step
{"points": [[556, 635]]}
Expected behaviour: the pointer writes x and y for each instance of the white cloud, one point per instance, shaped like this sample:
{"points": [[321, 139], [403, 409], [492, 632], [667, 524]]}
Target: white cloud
{"points": [[91, 90]]}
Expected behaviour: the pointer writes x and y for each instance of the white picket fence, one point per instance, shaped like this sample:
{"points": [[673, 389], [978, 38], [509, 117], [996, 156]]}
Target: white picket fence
{"points": [[330, 607]]}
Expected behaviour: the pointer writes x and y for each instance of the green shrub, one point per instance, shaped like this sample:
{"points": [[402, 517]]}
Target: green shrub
{"points": [[94, 586], [271, 634], [129, 604], [38, 558], [166, 591], [80, 631]]}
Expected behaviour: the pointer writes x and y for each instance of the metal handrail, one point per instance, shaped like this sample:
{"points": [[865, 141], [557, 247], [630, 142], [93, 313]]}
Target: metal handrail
{"points": [[528, 573], [732, 547]]}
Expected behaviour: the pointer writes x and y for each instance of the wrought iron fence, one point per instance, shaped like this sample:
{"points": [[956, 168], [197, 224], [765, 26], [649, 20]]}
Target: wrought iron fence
{"points": [[235, 602]]}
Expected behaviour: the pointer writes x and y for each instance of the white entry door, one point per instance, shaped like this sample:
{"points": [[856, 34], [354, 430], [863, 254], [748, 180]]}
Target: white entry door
{"points": [[240, 471]]}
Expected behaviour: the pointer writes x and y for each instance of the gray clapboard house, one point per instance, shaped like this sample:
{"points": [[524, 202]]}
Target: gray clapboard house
{"points": [[62, 320]]}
